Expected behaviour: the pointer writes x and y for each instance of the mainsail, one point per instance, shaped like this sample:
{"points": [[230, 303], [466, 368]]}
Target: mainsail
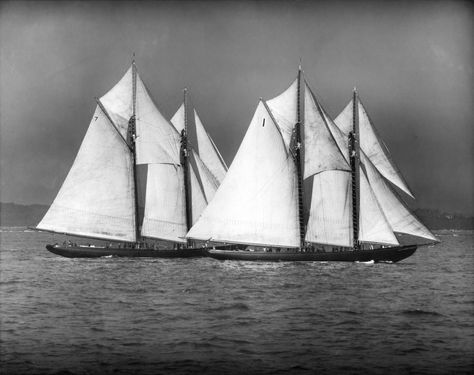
{"points": [[99, 197], [257, 201]]}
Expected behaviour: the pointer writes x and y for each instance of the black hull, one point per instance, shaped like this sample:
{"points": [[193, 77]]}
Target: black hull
{"points": [[98, 252], [392, 254]]}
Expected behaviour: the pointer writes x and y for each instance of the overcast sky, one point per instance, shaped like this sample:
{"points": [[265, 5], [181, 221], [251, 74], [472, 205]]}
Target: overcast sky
{"points": [[411, 62]]}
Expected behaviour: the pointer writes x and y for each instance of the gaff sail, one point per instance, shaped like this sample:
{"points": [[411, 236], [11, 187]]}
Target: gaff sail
{"points": [[97, 196], [256, 202]]}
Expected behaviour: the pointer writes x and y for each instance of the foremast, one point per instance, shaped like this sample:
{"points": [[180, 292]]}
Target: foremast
{"points": [[184, 155], [354, 157], [297, 152], [131, 135]]}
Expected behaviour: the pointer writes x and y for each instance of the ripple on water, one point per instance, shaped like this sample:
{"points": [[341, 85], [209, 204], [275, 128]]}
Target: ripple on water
{"points": [[155, 316]]}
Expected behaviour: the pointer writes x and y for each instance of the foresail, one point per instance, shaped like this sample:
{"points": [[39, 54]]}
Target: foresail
{"points": [[257, 201], [374, 225], [284, 111], [372, 146], [321, 152], [157, 140], [330, 218], [118, 102], [165, 215], [208, 152], [97, 196], [400, 218]]}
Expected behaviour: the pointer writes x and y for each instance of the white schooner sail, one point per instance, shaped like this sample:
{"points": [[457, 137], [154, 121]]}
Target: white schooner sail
{"points": [[99, 197], [291, 140], [397, 214]]}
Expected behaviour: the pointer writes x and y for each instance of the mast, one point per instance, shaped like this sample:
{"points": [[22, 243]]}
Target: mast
{"points": [[354, 155], [185, 164], [298, 158], [132, 133]]}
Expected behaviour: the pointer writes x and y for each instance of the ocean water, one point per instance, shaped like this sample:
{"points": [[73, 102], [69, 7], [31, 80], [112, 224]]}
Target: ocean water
{"points": [[203, 316]]}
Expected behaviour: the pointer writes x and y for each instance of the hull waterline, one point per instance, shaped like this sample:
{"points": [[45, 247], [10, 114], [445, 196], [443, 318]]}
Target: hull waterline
{"points": [[98, 252], [392, 254]]}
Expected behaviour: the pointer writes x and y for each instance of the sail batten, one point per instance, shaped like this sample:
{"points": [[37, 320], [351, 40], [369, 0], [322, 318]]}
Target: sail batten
{"points": [[97, 196]]}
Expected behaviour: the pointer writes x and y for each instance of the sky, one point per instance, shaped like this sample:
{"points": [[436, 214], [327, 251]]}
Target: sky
{"points": [[410, 60]]}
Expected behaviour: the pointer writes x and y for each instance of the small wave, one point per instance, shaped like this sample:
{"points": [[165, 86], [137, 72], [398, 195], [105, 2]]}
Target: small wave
{"points": [[348, 322], [414, 350], [350, 312], [235, 306], [418, 312]]}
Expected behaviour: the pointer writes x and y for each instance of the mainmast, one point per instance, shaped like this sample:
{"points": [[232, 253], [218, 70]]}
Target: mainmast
{"points": [[185, 165], [131, 139], [354, 155], [298, 159]]}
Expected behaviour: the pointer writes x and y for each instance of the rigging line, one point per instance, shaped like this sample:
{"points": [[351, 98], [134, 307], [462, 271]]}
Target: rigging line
{"points": [[101, 106]]}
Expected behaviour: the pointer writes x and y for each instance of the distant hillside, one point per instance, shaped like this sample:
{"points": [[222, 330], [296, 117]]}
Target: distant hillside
{"points": [[435, 219], [17, 215]]}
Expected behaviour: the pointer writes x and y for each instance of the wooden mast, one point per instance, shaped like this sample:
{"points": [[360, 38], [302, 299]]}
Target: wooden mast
{"points": [[354, 150], [185, 165], [131, 138], [298, 158]]}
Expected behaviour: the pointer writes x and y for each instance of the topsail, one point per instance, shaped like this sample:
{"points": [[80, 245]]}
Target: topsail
{"points": [[371, 145]]}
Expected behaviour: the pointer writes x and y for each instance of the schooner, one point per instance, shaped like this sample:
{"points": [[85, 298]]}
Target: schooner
{"points": [[137, 178], [304, 187]]}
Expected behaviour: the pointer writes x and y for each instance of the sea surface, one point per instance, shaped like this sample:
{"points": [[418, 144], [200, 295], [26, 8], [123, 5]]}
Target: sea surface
{"points": [[203, 316]]}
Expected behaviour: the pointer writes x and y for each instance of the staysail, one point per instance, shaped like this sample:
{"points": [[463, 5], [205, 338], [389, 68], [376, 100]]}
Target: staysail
{"points": [[97, 196], [371, 145], [400, 218], [256, 202], [208, 151]]}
